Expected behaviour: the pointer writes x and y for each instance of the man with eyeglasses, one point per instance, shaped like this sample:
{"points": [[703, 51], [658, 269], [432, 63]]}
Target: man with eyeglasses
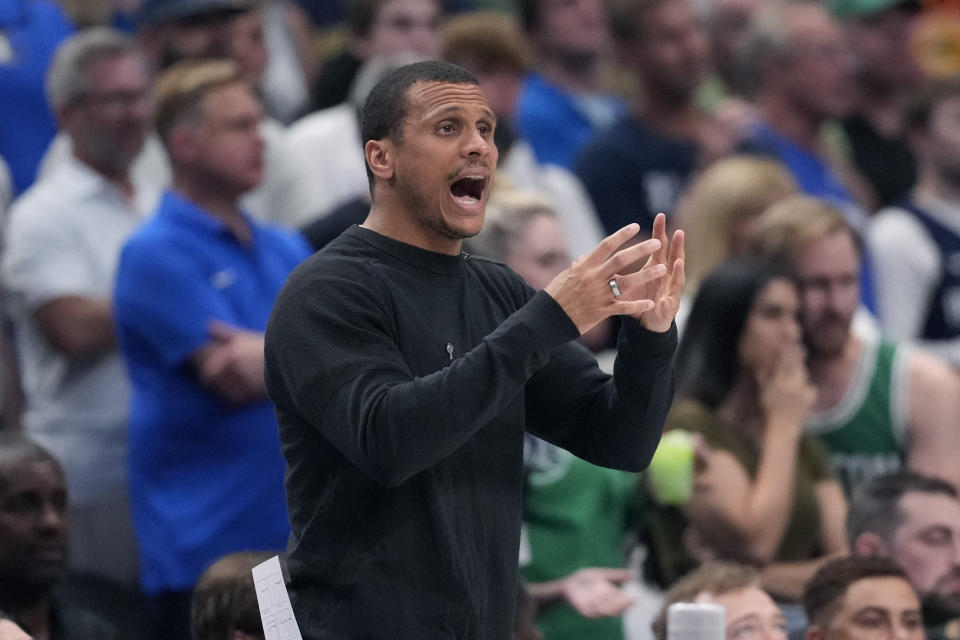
{"points": [[62, 244]]}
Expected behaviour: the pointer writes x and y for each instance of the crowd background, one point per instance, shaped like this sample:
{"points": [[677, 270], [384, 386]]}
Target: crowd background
{"points": [[165, 163]]}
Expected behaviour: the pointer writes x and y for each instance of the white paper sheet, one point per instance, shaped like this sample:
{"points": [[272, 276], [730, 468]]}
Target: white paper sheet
{"points": [[276, 612]]}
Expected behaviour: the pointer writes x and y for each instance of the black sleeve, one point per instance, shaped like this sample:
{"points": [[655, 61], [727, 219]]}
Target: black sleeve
{"points": [[332, 357], [610, 421]]}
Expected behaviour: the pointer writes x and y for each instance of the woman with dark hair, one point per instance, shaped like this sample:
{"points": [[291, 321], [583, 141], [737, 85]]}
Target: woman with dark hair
{"points": [[762, 492]]}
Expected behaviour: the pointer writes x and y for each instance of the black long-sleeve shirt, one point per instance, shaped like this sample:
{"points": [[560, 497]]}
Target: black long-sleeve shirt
{"points": [[403, 381]]}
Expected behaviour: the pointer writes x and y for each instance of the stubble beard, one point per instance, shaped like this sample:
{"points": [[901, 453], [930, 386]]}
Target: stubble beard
{"points": [[416, 203]]}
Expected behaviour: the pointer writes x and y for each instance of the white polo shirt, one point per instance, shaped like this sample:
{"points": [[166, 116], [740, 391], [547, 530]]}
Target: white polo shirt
{"points": [[64, 238]]}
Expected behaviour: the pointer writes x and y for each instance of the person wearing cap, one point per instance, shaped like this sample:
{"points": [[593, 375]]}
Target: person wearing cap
{"points": [[879, 35], [172, 30]]}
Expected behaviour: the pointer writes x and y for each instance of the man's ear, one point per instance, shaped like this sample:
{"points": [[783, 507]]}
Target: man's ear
{"points": [[183, 143], [870, 544], [380, 155]]}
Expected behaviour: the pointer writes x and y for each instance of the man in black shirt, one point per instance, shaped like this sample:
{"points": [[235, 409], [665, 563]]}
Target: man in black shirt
{"points": [[405, 372]]}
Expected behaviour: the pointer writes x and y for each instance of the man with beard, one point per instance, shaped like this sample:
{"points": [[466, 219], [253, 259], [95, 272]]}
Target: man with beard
{"points": [[405, 372], [915, 520], [33, 546], [879, 404], [564, 103], [62, 245]]}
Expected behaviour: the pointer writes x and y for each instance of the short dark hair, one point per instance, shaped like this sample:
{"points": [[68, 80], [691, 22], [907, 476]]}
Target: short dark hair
{"points": [[15, 447], [925, 101], [822, 595], [875, 506], [225, 598], [386, 107], [707, 358]]}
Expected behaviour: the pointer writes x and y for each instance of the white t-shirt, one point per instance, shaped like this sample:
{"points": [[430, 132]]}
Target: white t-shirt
{"points": [[906, 266]]}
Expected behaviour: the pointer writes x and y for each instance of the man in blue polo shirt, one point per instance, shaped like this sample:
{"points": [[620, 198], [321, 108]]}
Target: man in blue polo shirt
{"points": [[194, 289]]}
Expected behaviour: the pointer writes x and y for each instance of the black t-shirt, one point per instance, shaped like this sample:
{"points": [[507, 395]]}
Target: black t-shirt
{"points": [[886, 163], [403, 381]]}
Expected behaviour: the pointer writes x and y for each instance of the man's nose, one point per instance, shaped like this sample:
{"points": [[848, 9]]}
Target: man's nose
{"points": [[52, 517], [477, 144]]}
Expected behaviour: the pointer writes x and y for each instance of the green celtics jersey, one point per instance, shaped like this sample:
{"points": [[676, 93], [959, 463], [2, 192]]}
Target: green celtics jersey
{"points": [[866, 433], [576, 515]]}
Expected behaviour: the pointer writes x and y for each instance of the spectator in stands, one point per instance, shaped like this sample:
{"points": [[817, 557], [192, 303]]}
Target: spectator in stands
{"points": [[879, 405], [30, 31], [493, 49], [914, 520], [750, 611], [721, 204], [174, 30], [858, 598], [638, 167], [62, 245], [280, 30], [916, 242], [224, 604], [880, 38], [796, 69], [377, 28], [564, 102], [762, 492], [33, 546], [576, 515], [206, 470]]}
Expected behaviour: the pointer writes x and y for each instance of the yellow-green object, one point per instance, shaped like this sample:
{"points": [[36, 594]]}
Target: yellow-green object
{"points": [[671, 471]]}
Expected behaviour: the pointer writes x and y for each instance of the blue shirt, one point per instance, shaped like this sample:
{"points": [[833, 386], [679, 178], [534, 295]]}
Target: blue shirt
{"points": [[206, 477], [557, 123], [31, 30]]}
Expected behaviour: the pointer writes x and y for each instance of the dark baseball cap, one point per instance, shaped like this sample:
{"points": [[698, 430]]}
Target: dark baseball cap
{"points": [[852, 9], [157, 12]]}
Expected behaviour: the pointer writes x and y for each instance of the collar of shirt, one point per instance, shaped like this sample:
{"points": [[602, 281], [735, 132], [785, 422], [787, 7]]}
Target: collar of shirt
{"points": [[187, 213]]}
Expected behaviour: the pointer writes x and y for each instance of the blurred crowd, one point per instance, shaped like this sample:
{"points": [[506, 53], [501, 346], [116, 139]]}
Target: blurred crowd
{"points": [[165, 164]]}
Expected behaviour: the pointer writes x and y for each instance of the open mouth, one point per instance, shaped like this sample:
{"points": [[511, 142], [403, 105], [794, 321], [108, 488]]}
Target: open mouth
{"points": [[468, 190]]}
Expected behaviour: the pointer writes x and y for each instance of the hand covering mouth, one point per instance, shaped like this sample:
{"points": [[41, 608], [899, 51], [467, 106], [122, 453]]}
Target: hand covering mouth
{"points": [[469, 187]]}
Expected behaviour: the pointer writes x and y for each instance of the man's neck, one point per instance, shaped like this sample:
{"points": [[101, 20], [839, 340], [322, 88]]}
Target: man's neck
{"points": [[932, 186], [221, 205], [385, 218], [119, 178], [783, 116], [673, 116], [832, 373], [578, 78], [883, 107]]}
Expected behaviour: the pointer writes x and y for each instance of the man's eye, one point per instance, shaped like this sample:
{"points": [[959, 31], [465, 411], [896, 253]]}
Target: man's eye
{"points": [[744, 632], [447, 128]]}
